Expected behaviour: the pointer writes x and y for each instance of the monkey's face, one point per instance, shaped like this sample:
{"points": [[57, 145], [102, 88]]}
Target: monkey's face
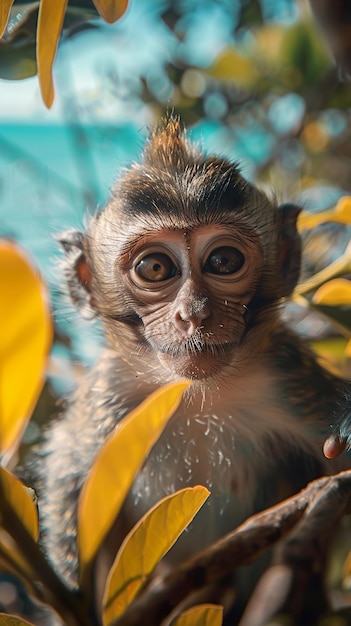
{"points": [[183, 247], [190, 289]]}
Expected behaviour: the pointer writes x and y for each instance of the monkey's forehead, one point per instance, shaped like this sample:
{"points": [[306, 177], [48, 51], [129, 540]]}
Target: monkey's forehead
{"points": [[160, 220], [170, 206]]}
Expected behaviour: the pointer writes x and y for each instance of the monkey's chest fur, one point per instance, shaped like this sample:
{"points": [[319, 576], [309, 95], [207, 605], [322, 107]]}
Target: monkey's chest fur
{"points": [[242, 444], [198, 450], [242, 441]]}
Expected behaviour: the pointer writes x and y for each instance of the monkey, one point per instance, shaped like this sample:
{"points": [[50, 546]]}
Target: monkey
{"points": [[187, 268]]}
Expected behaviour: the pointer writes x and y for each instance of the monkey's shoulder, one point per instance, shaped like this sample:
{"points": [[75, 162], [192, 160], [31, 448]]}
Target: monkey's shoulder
{"points": [[307, 384]]}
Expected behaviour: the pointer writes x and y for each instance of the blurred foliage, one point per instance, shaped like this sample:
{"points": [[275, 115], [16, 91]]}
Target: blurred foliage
{"points": [[31, 32], [325, 292], [269, 95], [25, 341]]}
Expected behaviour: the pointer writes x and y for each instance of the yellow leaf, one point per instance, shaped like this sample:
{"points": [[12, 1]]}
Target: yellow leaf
{"points": [[111, 10], [12, 620], [201, 615], [343, 210], [233, 67], [25, 338], [145, 546], [348, 349], [341, 213], [50, 21], [5, 7], [14, 494], [116, 466], [334, 292]]}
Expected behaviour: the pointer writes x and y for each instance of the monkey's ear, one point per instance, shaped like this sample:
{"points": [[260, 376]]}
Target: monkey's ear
{"points": [[77, 272], [289, 248]]}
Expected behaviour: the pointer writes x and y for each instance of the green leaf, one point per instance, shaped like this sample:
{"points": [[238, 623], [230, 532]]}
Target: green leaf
{"points": [[304, 50], [116, 466], [25, 339], [111, 10], [145, 546], [50, 21], [202, 615]]}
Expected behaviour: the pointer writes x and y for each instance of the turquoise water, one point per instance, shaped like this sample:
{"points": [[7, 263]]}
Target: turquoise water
{"points": [[50, 177]]}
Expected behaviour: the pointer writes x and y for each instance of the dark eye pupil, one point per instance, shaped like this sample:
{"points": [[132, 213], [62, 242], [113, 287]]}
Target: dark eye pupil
{"points": [[225, 260], [156, 267]]}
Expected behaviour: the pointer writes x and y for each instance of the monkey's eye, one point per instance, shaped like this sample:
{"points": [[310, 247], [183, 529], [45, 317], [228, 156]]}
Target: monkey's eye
{"points": [[156, 267], [223, 261]]}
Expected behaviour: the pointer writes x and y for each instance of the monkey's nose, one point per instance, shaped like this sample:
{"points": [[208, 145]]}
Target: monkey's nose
{"points": [[191, 318]]}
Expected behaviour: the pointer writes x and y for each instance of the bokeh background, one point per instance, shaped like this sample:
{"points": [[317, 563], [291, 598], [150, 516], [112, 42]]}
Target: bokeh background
{"points": [[253, 81]]}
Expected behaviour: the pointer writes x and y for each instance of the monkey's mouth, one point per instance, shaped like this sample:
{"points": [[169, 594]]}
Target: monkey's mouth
{"points": [[197, 360], [195, 347]]}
